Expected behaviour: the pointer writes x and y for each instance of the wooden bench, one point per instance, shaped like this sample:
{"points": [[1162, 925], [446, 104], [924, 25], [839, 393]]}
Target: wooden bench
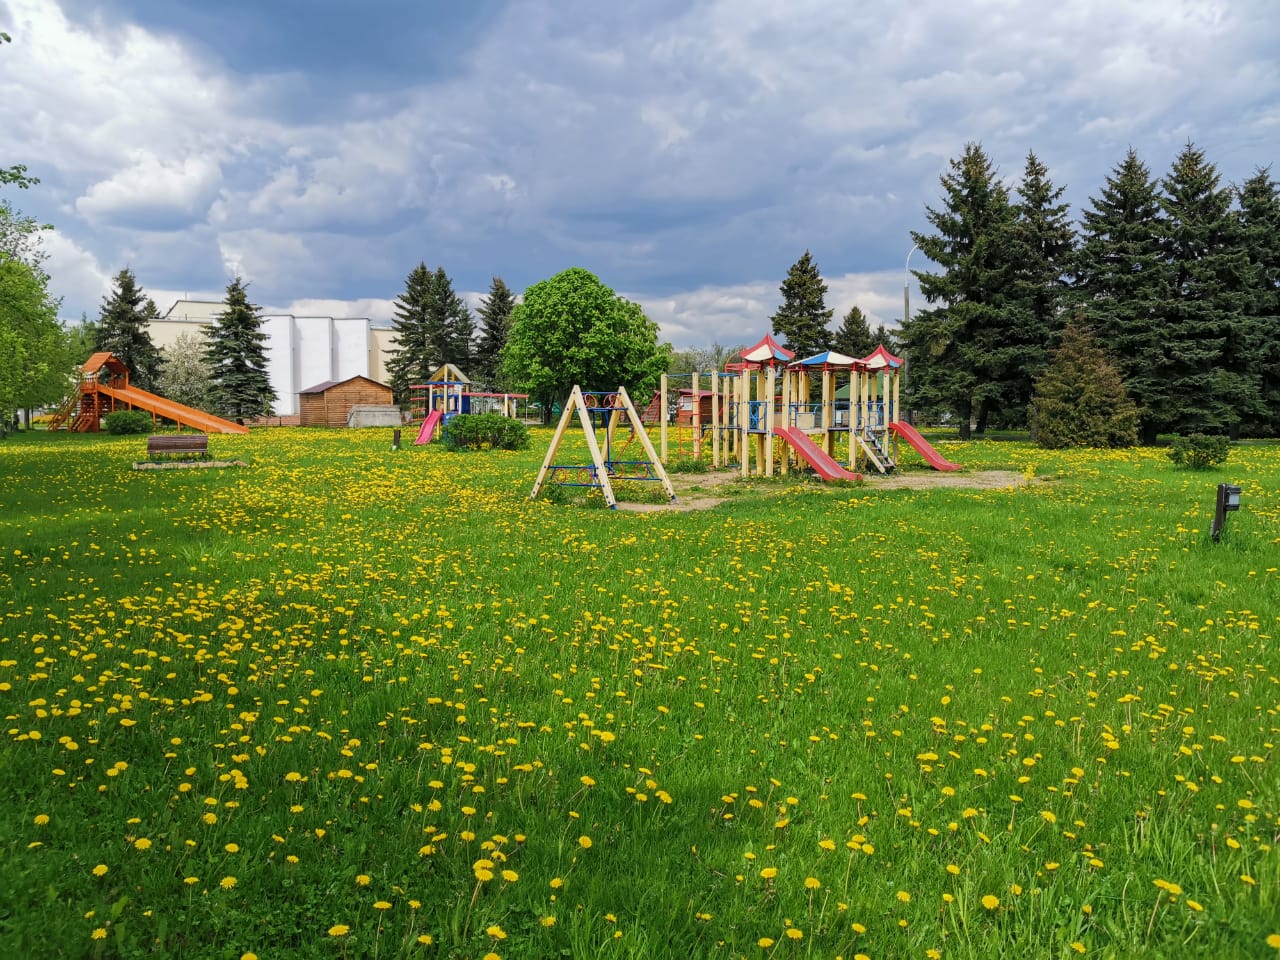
{"points": [[178, 444]]}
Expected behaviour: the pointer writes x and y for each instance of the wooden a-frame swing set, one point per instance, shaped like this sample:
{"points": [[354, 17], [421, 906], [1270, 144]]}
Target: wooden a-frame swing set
{"points": [[603, 469]]}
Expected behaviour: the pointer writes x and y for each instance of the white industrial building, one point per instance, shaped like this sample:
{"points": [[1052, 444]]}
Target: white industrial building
{"points": [[301, 351]]}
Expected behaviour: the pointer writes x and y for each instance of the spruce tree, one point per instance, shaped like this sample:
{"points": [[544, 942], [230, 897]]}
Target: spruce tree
{"points": [[884, 337], [854, 337], [1041, 242], [495, 324], [413, 360], [433, 326], [239, 387], [1119, 277], [122, 330], [956, 349], [1210, 341], [1079, 400], [1260, 235], [801, 321]]}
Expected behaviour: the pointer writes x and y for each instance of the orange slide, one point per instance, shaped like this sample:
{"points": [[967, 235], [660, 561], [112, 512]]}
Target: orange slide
{"points": [[182, 415], [932, 457], [814, 455]]}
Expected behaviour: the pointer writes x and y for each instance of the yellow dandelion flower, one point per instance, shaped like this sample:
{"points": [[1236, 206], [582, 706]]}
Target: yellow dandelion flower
{"points": [[1077, 946], [584, 842], [990, 901], [100, 870], [812, 883], [226, 883], [548, 921], [769, 873], [794, 934], [764, 943], [1048, 816], [953, 869], [426, 939], [381, 905], [903, 896], [248, 955], [40, 819], [99, 933], [1273, 941], [362, 880], [339, 930], [496, 932], [142, 843], [510, 876]]}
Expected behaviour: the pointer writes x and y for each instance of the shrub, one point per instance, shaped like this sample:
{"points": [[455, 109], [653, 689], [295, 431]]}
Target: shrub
{"points": [[127, 421], [480, 431], [1200, 451], [1080, 399]]}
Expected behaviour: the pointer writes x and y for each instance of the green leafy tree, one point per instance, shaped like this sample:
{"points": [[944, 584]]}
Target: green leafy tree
{"points": [[801, 321], [959, 363], [236, 353], [1041, 244], [185, 377], [122, 330], [433, 326], [572, 329], [495, 324], [854, 337], [1079, 399], [1210, 341], [83, 338], [1260, 234], [1120, 280], [32, 342]]}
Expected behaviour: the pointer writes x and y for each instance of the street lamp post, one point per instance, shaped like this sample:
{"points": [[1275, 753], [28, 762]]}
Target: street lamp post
{"points": [[906, 287]]}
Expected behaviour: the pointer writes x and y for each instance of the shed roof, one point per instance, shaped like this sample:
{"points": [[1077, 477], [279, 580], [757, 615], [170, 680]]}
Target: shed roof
{"points": [[329, 384]]}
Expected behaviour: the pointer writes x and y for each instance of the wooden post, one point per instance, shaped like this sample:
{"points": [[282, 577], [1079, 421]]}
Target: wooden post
{"points": [[662, 416], [695, 418], [716, 425], [770, 382], [637, 424]]}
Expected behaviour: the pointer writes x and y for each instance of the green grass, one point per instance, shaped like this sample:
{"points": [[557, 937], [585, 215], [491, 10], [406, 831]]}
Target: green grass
{"points": [[345, 689]]}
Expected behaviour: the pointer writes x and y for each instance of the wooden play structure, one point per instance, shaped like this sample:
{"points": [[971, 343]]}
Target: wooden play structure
{"points": [[613, 409], [768, 412], [103, 387], [448, 392]]}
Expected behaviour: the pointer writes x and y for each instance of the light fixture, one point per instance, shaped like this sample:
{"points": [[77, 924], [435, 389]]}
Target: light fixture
{"points": [[1228, 501]]}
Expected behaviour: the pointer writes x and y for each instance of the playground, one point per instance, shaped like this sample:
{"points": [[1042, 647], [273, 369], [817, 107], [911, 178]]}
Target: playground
{"points": [[353, 701]]}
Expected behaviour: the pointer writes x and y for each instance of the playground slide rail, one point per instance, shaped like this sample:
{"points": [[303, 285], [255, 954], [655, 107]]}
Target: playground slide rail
{"points": [[180, 414], [922, 446], [428, 427], [814, 455]]}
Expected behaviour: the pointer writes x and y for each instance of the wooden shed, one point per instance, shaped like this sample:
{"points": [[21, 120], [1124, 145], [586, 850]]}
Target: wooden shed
{"points": [[328, 404]]}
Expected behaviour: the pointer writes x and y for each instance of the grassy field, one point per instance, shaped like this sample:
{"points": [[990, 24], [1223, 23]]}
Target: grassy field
{"points": [[347, 703]]}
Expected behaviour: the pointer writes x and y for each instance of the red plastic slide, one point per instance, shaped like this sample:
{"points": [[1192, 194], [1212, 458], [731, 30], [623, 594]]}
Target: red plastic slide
{"points": [[932, 457], [183, 416], [428, 427], [814, 455]]}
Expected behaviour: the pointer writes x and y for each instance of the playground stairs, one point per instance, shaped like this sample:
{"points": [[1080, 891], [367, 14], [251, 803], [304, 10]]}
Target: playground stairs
{"points": [[874, 447]]}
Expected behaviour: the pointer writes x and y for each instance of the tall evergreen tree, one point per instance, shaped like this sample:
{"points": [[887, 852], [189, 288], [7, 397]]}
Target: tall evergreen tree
{"points": [[959, 364], [885, 337], [1260, 234], [854, 337], [495, 325], [1120, 279], [432, 326], [239, 387], [122, 330], [1041, 242], [412, 361], [801, 321], [1210, 341]]}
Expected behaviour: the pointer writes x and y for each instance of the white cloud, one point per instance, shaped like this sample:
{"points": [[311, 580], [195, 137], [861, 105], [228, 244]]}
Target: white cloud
{"points": [[154, 189]]}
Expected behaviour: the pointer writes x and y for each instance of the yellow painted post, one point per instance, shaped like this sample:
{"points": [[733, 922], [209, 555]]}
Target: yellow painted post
{"points": [[715, 420], [827, 412], [696, 418], [897, 411], [662, 416], [770, 382], [788, 397]]}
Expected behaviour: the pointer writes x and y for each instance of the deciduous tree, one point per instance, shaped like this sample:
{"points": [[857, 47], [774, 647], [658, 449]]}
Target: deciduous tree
{"points": [[185, 376], [572, 329]]}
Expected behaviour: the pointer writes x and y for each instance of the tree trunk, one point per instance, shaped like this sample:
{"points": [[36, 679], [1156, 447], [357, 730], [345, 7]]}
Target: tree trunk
{"points": [[965, 411]]}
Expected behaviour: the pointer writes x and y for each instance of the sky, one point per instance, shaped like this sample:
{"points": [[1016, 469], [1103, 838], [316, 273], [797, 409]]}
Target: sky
{"points": [[687, 152]]}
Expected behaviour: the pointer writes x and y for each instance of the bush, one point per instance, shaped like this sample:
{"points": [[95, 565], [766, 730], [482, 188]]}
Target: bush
{"points": [[127, 421], [1200, 451], [480, 431]]}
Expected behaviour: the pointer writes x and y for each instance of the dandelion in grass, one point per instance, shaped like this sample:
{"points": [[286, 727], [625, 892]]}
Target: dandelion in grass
{"points": [[1077, 946], [510, 876], [426, 939], [100, 870], [381, 905], [584, 842], [903, 896], [339, 930], [99, 933], [40, 819], [764, 943], [1273, 941], [812, 883], [227, 883], [794, 934], [142, 843], [990, 901], [496, 932], [547, 921], [769, 873]]}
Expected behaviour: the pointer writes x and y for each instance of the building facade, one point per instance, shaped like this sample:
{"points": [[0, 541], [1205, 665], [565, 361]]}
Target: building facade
{"points": [[301, 351]]}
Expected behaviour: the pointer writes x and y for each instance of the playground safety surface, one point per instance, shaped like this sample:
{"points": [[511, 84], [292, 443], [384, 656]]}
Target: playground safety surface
{"points": [[702, 491]]}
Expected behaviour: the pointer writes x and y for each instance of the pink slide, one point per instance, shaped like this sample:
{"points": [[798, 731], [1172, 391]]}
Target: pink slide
{"points": [[428, 427], [910, 434], [814, 455]]}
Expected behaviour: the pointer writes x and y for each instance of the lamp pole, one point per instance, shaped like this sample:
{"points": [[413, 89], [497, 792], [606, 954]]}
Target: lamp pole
{"points": [[906, 286]]}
